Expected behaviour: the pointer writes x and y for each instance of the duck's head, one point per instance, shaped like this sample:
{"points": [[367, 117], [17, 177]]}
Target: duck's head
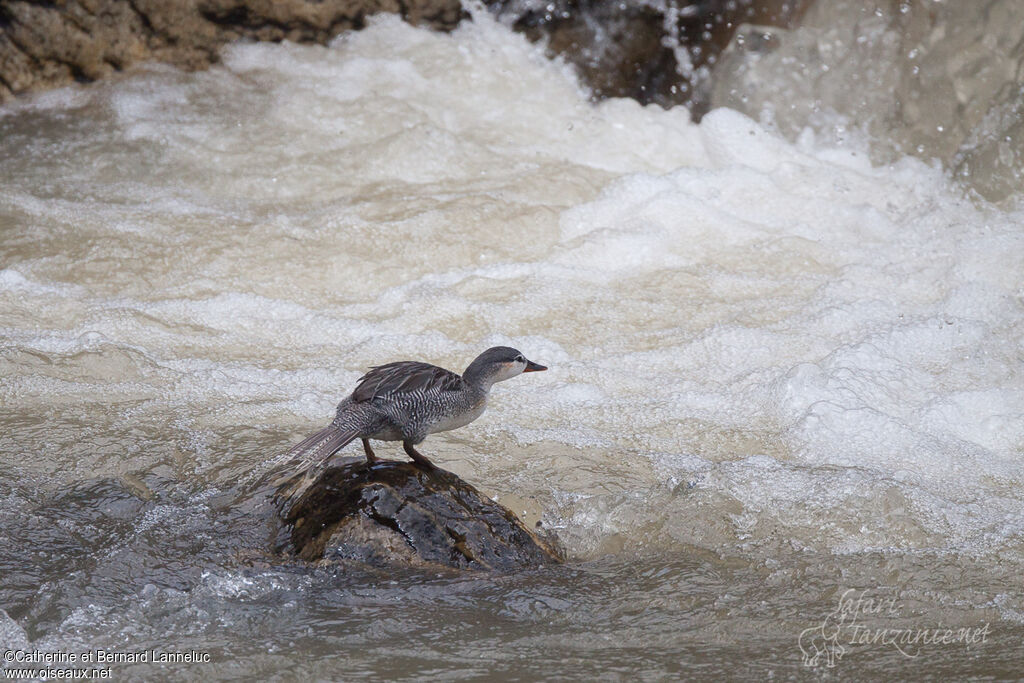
{"points": [[497, 364]]}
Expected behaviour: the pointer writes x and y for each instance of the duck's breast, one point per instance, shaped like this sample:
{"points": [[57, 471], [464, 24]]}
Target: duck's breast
{"points": [[460, 418]]}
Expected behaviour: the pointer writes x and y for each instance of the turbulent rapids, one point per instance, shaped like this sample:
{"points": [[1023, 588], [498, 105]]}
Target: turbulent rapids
{"points": [[778, 371]]}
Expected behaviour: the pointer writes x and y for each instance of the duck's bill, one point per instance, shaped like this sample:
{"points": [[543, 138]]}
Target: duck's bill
{"points": [[533, 367]]}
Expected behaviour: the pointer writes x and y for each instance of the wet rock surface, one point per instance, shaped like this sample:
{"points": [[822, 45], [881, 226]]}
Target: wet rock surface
{"points": [[398, 513], [935, 80], [49, 44], [660, 53]]}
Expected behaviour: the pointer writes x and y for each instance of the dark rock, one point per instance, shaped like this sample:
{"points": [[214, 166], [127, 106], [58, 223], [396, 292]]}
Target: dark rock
{"points": [[52, 43], [632, 48], [617, 51], [398, 513]]}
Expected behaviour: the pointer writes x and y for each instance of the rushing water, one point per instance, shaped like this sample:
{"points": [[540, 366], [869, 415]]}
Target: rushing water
{"points": [[786, 397]]}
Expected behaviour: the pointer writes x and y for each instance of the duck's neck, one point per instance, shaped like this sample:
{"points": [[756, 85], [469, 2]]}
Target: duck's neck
{"points": [[476, 379]]}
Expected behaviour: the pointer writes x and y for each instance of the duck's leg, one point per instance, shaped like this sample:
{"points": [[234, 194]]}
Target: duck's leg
{"points": [[371, 457], [417, 456]]}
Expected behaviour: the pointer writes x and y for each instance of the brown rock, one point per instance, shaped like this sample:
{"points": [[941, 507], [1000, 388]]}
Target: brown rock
{"points": [[48, 44]]}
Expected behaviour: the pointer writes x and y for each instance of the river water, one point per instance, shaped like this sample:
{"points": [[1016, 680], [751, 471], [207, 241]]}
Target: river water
{"points": [[784, 413]]}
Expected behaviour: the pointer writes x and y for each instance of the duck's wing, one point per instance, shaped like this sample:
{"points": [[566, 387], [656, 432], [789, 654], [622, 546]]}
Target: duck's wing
{"points": [[404, 377]]}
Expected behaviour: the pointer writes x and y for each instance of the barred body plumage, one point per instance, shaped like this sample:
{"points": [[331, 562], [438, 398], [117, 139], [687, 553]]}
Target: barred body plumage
{"points": [[407, 400], [393, 412]]}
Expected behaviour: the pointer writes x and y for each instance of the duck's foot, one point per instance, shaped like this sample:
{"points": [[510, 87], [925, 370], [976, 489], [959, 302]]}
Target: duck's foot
{"points": [[418, 457], [371, 457]]}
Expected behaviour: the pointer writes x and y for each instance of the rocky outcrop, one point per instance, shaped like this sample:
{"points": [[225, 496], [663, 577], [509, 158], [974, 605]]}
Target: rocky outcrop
{"points": [[399, 513], [48, 44], [651, 52]]}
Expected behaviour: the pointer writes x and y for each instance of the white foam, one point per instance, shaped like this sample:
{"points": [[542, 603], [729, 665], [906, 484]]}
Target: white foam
{"points": [[12, 635]]}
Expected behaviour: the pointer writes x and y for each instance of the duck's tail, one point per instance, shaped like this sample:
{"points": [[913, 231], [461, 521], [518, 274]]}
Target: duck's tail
{"points": [[322, 445], [289, 474]]}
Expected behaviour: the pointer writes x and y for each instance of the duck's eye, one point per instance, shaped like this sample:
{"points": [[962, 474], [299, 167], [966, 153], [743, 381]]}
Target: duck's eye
{"points": [[520, 359]]}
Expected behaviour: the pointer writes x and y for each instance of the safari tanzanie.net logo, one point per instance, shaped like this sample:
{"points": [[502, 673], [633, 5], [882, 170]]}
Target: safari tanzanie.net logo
{"points": [[859, 620]]}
